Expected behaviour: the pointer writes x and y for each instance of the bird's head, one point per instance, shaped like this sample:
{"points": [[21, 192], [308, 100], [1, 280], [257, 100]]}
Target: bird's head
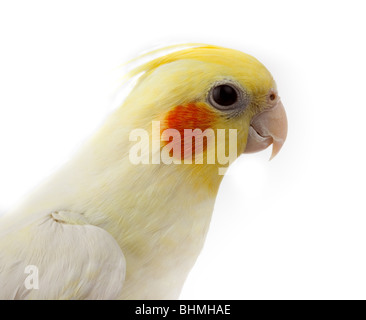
{"points": [[208, 87]]}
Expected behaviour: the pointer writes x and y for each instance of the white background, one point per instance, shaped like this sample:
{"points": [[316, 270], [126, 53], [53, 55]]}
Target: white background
{"points": [[294, 227]]}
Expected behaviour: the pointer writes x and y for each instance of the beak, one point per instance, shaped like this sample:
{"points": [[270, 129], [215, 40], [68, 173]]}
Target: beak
{"points": [[266, 128]]}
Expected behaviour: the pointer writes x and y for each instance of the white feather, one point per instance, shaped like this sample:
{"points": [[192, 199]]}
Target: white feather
{"points": [[74, 261]]}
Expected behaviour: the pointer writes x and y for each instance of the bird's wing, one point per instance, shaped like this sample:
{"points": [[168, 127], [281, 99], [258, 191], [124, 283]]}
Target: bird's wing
{"points": [[59, 257]]}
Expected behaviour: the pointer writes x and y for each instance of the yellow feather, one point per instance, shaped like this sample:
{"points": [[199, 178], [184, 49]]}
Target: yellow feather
{"points": [[158, 214]]}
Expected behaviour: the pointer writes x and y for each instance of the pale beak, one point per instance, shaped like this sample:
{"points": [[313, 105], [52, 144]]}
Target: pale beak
{"points": [[266, 128]]}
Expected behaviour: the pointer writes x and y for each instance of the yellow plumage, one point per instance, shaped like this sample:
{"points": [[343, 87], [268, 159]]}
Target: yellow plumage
{"points": [[155, 216]]}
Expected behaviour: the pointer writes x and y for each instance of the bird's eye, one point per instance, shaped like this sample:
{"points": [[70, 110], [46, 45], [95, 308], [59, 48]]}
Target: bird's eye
{"points": [[228, 96], [224, 95]]}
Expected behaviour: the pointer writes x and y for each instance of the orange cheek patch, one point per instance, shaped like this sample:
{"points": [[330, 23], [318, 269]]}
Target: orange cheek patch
{"points": [[190, 116]]}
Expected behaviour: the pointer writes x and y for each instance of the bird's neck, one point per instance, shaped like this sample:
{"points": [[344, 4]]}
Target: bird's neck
{"points": [[160, 216]]}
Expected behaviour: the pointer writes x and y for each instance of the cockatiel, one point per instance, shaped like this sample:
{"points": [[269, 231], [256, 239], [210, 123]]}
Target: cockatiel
{"points": [[105, 227]]}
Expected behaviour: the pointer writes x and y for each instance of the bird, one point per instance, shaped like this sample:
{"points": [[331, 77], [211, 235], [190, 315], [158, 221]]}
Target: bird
{"points": [[127, 216]]}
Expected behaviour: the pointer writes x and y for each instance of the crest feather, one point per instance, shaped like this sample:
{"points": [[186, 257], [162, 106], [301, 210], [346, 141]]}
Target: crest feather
{"points": [[196, 51]]}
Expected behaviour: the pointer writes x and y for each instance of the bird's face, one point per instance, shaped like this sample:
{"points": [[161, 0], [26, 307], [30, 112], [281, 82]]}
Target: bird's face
{"points": [[215, 88]]}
